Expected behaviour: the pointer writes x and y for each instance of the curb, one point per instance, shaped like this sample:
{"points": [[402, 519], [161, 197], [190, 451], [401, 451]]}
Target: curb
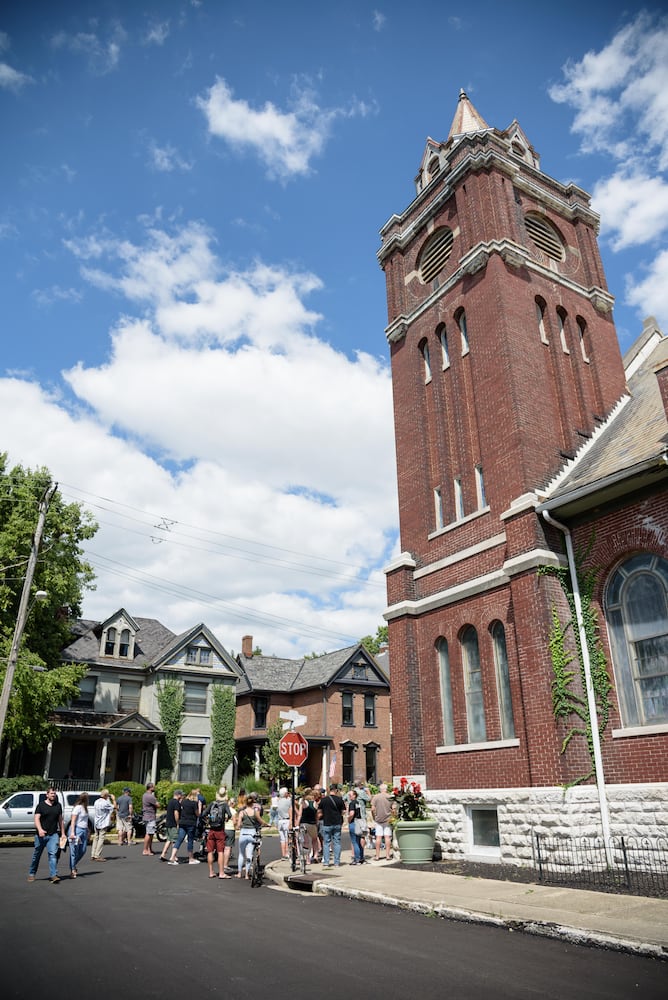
{"points": [[539, 928]]}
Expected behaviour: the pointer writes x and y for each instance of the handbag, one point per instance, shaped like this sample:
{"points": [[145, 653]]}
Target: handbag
{"points": [[360, 826]]}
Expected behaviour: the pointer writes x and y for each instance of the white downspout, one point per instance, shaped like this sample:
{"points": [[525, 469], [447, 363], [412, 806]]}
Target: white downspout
{"points": [[591, 698]]}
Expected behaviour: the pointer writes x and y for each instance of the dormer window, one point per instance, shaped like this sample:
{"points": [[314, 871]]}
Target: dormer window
{"points": [[118, 643], [199, 656], [433, 168]]}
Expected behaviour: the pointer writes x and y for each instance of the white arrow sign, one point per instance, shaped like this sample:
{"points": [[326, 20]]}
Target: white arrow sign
{"points": [[294, 719]]}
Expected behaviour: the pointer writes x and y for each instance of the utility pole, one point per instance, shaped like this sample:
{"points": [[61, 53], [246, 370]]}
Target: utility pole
{"points": [[24, 606]]}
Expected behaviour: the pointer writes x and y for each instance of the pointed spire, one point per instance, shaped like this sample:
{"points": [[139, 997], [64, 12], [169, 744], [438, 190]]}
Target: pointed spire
{"points": [[466, 118]]}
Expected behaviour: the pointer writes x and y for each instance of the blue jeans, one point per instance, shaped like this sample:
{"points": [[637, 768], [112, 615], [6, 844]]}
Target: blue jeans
{"points": [[356, 843], [78, 846], [246, 838], [331, 835], [51, 844], [189, 832]]}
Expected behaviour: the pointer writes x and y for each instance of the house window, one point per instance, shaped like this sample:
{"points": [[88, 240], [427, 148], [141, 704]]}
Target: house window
{"points": [[484, 829], [463, 329], [480, 488], [347, 709], [110, 642], [195, 698], [198, 655], [561, 319], [636, 610], [459, 499], [503, 682], [86, 696], [260, 709], [124, 643], [371, 763], [129, 695], [540, 316], [438, 507], [359, 671], [445, 354], [582, 332], [190, 763], [369, 710], [348, 756], [83, 758], [475, 707], [446, 692]]}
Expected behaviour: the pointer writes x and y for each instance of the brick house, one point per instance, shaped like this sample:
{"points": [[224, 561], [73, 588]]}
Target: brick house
{"points": [[523, 439], [345, 696], [112, 732]]}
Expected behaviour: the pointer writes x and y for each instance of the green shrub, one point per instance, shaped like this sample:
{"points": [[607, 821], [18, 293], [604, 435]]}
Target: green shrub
{"points": [[22, 783], [253, 784]]}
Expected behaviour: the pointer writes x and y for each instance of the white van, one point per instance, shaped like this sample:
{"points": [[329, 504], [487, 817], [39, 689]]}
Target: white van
{"points": [[18, 811]]}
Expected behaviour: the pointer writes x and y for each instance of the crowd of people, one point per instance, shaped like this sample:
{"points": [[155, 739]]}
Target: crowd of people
{"points": [[319, 813]]}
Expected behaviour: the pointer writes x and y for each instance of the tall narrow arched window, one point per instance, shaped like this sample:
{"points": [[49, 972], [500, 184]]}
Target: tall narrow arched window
{"points": [[541, 306], [438, 507], [124, 644], [463, 329], [446, 692], [480, 488], [636, 610], [475, 705], [503, 682], [110, 642], [582, 336], [445, 354], [561, 319], [424, 351]]}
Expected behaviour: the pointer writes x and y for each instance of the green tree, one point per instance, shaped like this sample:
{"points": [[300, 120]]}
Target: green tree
{"points": [[61, 570], [272, 766], [373, 643], [223, 719], [35, 695]]}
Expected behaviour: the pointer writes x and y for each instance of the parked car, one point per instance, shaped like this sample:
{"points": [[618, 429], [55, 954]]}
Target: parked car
{"points": [[18, 810]]}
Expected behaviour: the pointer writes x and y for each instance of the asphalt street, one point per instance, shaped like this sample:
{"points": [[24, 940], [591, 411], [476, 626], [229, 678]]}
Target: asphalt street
{"points": [[135, 928]]}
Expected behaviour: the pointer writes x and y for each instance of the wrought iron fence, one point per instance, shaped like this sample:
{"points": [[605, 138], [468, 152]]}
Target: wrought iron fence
{"points": [[625, 864], [75, 784]]}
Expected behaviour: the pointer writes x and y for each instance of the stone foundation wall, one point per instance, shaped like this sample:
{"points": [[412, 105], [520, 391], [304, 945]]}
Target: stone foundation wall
{"points": [[635, 811]]}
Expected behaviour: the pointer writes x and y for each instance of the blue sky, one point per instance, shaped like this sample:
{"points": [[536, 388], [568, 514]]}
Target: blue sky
{"points": [[193, 313]]}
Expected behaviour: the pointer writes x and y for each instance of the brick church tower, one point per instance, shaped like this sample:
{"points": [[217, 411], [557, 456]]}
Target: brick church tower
{"points": [[505, 363]]}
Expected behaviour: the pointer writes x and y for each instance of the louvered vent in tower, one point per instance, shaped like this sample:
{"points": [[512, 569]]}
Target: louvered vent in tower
{"points": [[545, 236], [435, 253]]}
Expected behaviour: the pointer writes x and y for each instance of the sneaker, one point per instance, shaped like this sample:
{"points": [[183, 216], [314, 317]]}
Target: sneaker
{"points": [[54, 879], [193, 861], [172, 862], [31, 878]]}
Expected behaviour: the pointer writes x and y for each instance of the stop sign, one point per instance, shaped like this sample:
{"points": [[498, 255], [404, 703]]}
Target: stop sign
{"points": [[293, 749]]}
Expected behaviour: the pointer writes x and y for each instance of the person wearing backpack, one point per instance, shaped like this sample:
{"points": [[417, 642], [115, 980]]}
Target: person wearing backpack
{"points": [[216, 815]]}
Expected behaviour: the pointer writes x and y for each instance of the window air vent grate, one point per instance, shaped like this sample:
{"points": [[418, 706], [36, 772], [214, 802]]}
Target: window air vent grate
{"points": [[435, 254], [545, 236]]}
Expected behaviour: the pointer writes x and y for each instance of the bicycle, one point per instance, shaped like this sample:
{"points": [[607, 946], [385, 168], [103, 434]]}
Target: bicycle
{"points": [[256, 866], [297, 845]]}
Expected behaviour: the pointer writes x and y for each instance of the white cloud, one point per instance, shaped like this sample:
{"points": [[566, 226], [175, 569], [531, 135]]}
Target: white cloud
{"points": [[12, 79], [285, 141], [102, 54], [157, 33], [47, 296], [633, 207], [620, 99], [650, 293], [167, 158], [219, 407], [378, 20]]}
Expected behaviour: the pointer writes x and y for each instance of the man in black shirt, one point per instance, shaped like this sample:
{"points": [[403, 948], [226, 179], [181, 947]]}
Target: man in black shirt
{"points": [[330, 811], [49, 828]]}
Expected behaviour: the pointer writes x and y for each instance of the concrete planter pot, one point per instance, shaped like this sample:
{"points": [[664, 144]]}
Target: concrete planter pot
{"points": [[416, 839]]}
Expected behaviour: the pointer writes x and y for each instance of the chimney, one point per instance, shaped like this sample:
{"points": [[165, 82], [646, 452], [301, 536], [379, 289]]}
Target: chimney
{"points": [[247, 646]]}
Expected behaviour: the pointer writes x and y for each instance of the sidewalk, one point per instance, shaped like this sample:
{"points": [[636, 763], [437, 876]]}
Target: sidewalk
{"points": [[634, 924]]}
